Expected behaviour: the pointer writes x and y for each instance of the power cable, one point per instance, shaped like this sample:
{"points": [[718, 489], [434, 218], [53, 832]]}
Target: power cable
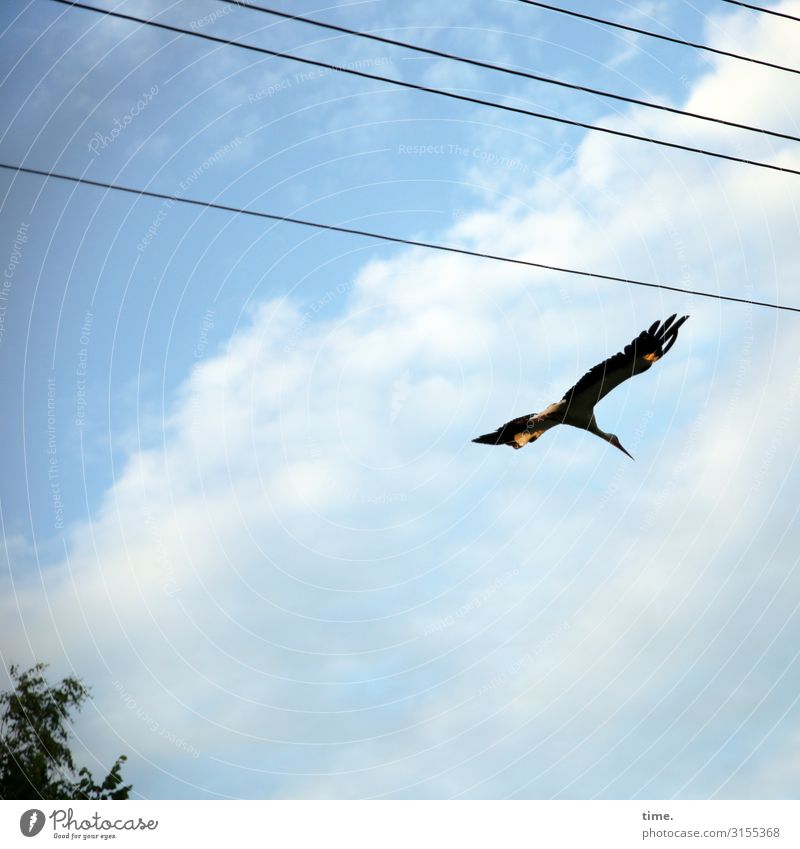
{"points": [[335, 228], [762, 9], [604, 22], [504, 69], [430, 90]]}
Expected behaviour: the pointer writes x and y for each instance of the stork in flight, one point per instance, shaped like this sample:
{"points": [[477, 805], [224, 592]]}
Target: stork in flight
{"points": [[576, 408]]}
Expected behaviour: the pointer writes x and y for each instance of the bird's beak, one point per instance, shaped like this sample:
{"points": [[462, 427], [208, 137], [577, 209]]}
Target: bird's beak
{"points": [[617, 443]]}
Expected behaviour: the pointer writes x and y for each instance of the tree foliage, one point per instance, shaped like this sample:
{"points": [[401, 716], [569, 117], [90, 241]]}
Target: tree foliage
{"points": [[35, 758]]}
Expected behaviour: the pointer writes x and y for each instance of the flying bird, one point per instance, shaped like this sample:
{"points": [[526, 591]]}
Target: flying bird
{"points": [[576, 408]]}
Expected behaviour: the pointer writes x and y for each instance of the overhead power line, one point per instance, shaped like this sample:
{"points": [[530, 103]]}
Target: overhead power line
{"points": [[504, 69], [430, 90], [762, 9], [384, 237], [650, 34]]}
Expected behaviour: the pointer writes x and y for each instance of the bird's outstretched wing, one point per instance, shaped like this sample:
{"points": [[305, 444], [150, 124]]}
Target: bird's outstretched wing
{"points": [[647, 348]]}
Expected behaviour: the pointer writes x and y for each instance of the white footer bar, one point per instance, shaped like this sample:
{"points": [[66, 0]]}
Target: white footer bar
{"points": [[405, 824]]}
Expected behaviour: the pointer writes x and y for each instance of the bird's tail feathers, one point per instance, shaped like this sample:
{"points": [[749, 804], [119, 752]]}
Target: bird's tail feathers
{"points": [[493, 438], [502, 436]]}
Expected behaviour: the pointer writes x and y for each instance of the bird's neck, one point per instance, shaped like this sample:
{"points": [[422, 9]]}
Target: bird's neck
{"points": [[593, 428]]}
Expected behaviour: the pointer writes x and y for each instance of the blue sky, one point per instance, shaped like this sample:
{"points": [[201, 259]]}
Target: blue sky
{"points": [[239, 494]]}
